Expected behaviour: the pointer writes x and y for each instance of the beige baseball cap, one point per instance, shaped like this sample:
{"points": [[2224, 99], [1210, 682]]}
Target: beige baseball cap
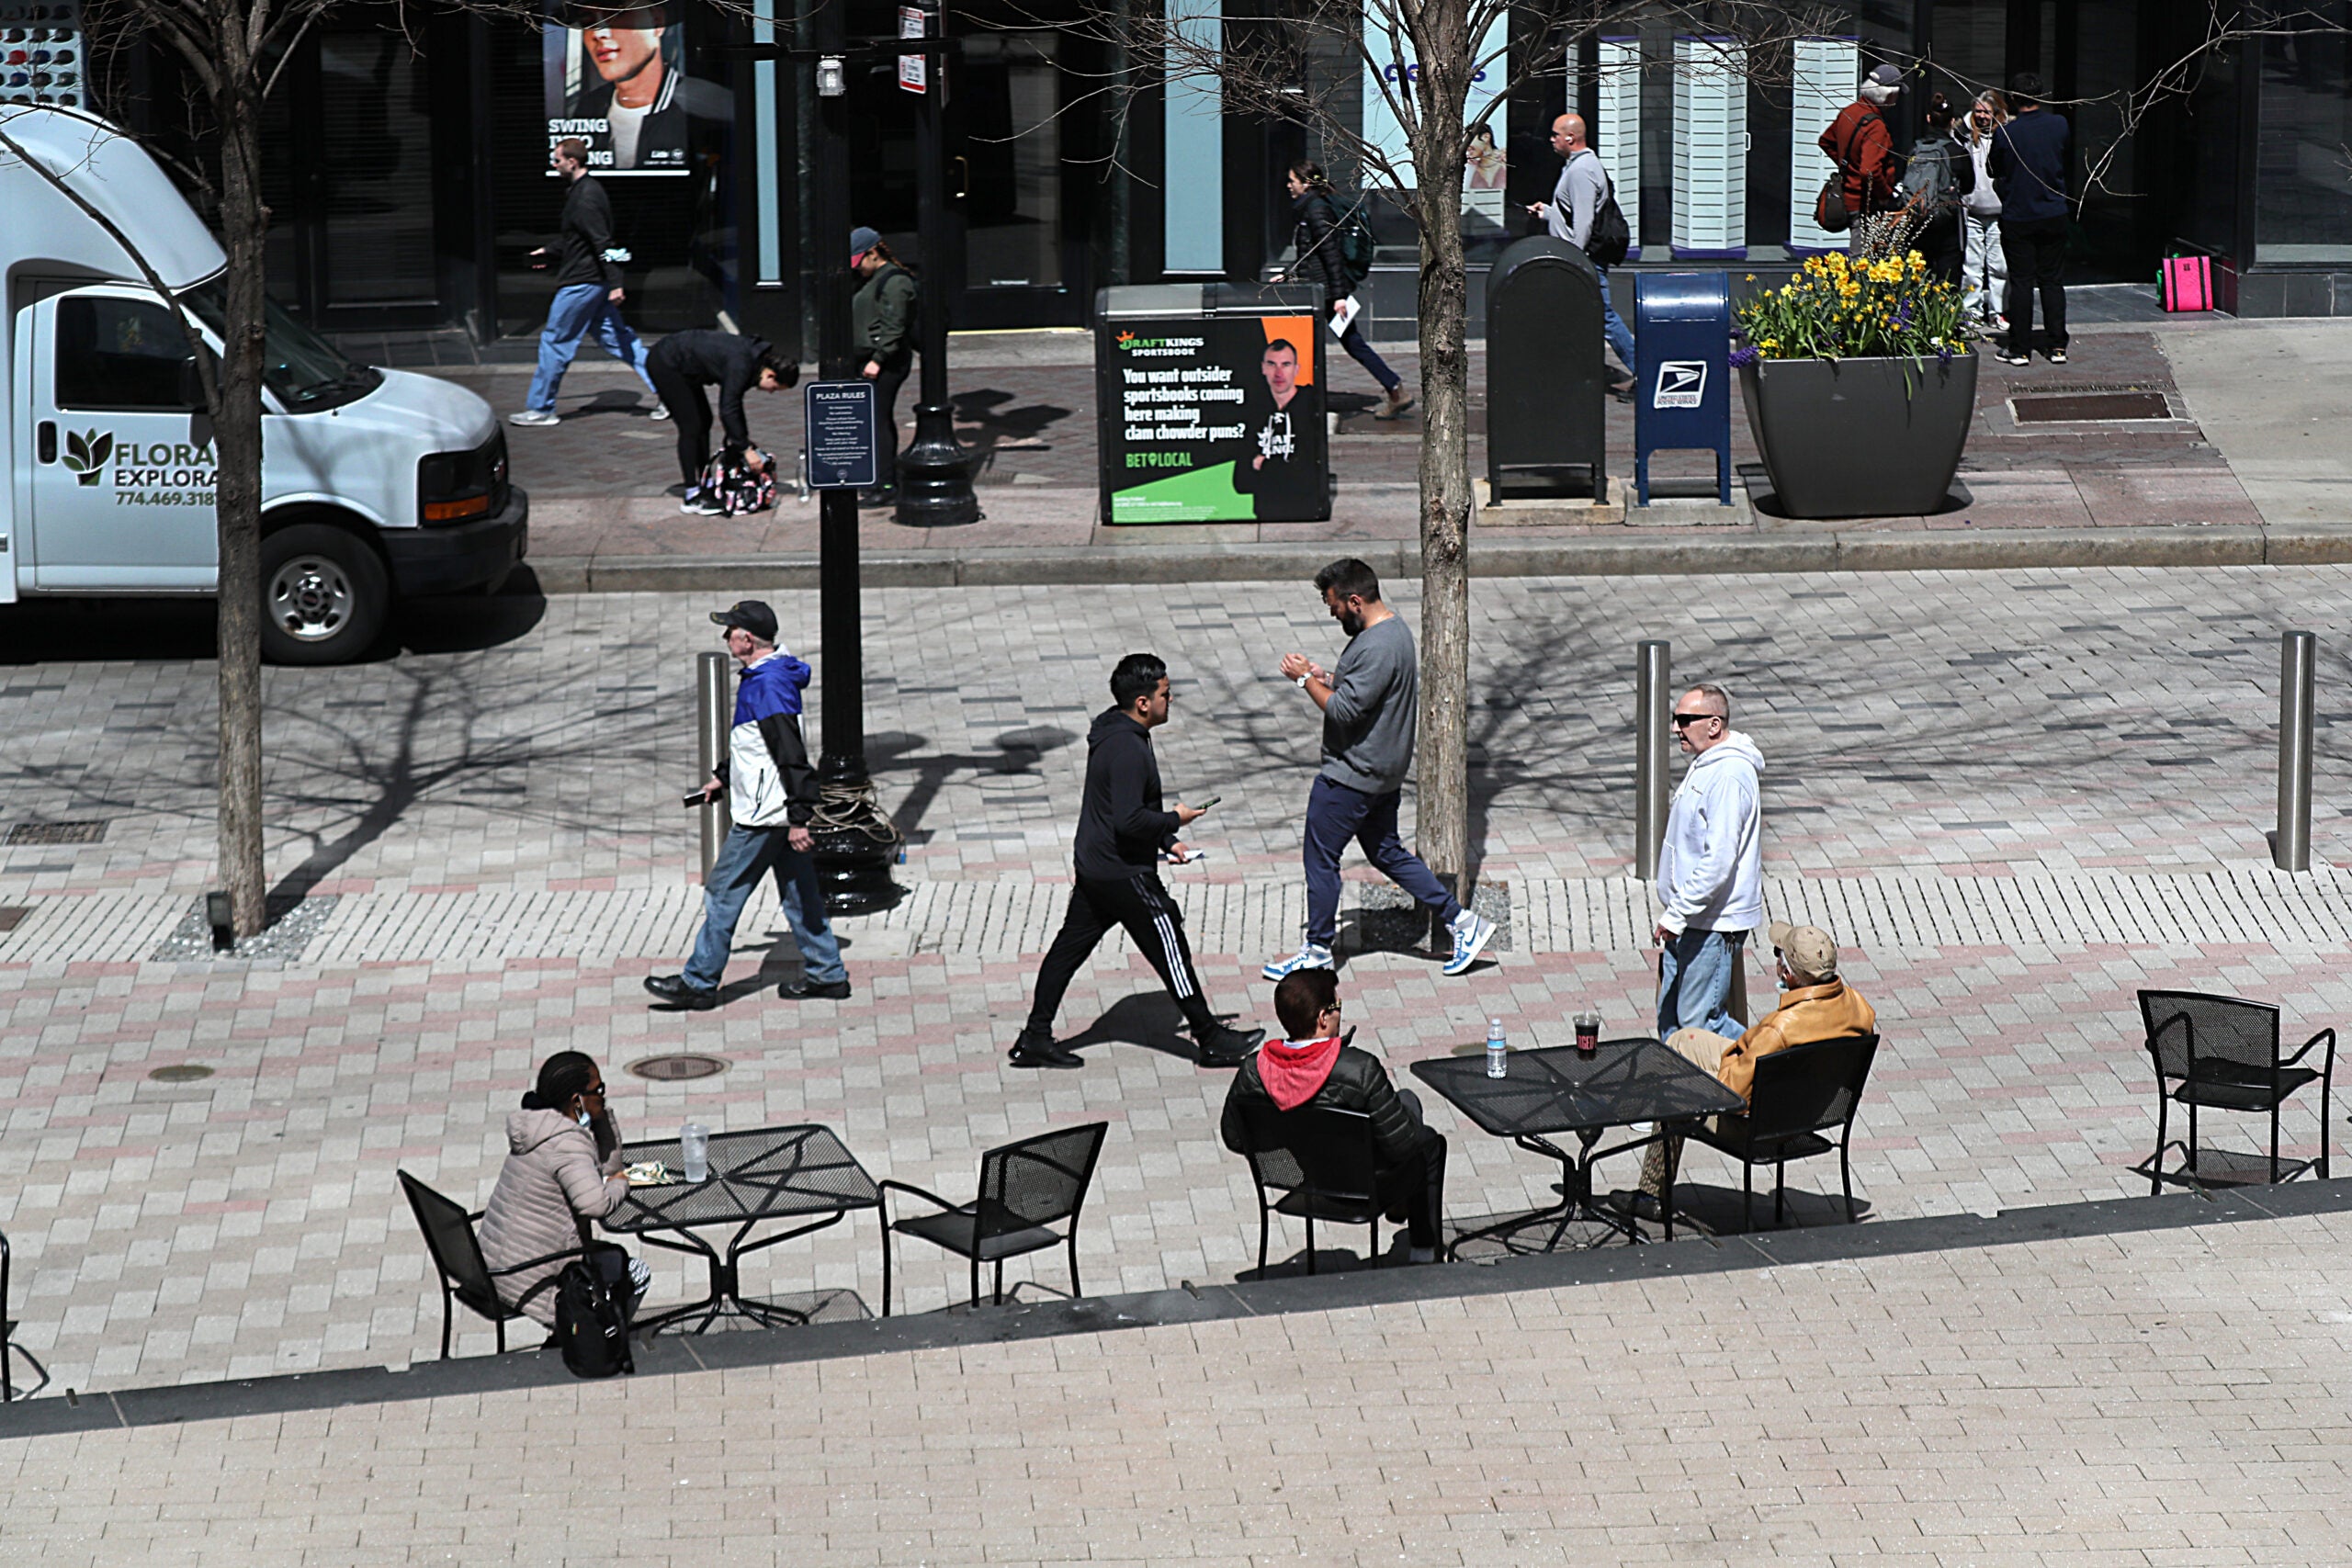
{"points": [[1809, 949]]}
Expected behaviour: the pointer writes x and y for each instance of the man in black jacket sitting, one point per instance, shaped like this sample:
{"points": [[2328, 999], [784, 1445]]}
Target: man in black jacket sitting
{"points": [[1122, 833], [1313, 1068]]}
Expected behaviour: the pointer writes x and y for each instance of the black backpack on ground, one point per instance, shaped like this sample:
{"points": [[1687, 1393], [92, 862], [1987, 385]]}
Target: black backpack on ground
{"points": [[591, 1313]]}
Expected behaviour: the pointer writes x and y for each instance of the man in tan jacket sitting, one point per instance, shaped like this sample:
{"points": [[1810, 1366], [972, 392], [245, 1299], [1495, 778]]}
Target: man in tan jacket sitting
{"points": [[1815, 1005]]}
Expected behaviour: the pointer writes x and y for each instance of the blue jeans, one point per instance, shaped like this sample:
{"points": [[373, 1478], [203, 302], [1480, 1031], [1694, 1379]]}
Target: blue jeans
{"points": [[748, 854], [1360, 349], [1336, 814], [1613, 327], [1695, 983], [574, 309]]}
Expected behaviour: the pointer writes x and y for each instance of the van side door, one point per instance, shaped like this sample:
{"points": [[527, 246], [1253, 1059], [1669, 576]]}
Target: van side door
{"points": [[123, 468]]}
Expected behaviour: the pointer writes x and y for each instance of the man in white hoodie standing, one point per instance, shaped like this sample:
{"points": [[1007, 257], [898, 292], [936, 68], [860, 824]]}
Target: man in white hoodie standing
{"points": [[1711, 868]]}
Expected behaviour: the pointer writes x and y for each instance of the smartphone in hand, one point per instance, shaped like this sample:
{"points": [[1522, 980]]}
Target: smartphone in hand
{"points": [[698, 798]]}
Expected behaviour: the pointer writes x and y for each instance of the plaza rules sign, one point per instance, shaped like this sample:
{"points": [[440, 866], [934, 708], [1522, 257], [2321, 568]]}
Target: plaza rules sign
{"points": [[1214, 420]]}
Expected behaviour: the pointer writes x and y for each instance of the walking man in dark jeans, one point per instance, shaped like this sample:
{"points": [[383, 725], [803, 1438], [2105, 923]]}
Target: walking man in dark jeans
{"points": [[588, 291], [1371, 706], [2029, 164], [772, 796], [1122, 832]]}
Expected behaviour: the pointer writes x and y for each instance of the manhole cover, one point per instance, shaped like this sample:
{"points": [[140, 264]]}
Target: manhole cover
{"points": [[182, 1072], [2091, 406], [57, 833], [670, 1069]]}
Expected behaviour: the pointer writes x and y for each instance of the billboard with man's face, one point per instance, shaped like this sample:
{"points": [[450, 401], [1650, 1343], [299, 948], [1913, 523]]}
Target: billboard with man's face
{"points": [[613, 78]]}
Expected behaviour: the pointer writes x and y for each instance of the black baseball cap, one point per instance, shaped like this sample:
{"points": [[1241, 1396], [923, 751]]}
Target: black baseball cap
{"points": [[750, 615]]}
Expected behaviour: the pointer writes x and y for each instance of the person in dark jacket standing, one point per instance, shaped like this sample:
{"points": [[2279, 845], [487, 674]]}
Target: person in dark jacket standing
{"points": [[772, 795], [1937, 178], [1123, 831], [882, 326], [1314, 1068], [1316, 241], [2029, 166], [682, 365], [588, 291]]}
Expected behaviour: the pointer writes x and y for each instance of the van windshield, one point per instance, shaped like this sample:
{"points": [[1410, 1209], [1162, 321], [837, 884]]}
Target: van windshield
{"points": [[306, 372]]}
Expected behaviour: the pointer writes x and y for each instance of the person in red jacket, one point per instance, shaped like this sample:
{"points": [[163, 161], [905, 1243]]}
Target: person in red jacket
{"points": [[1862, 146]]}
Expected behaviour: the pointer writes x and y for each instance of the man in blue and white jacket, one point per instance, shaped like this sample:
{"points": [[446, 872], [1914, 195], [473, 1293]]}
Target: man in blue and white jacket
{"points": [[1711, 868], [772, 796]]}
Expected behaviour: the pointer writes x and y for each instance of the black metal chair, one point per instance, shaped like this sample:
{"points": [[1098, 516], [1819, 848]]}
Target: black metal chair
{"points": [[466, 1275], [1324, 1162], [2223, 1054], [1800, 1093], [9, 1346], [1026, 1189]]}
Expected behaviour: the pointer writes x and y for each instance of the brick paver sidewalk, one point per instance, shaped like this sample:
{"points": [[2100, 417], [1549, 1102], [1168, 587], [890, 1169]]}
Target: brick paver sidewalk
{"points": [[2171, 1397], [2029, 792]]}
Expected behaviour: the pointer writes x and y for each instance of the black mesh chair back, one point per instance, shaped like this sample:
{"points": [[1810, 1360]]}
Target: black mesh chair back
{"points": [[449, 1236], [1027, 1189], [1038, 1181], [1323, 1158], [2222, 1053], [1799, 1094], [1808, 1089]]}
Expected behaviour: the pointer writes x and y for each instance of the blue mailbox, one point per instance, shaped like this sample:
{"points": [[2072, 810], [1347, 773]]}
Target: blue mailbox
{"points": [[1682, 392]]}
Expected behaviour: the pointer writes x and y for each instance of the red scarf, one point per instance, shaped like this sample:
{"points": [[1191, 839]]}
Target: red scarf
{"points": [[1293, 1070]]}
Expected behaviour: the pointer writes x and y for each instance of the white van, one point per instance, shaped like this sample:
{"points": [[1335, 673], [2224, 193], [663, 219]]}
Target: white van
{"points": [[374, 482]]}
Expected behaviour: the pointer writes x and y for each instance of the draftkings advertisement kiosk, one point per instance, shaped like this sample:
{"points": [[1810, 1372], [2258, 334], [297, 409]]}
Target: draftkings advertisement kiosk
{"points": [[1211, 404]]}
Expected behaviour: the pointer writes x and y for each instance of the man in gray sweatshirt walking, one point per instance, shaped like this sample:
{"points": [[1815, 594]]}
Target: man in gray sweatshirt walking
{"points": [[1369, 707]]}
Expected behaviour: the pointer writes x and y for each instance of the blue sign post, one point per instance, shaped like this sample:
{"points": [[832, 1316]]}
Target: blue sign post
{"points": [[1682, 392], [840, 415]]}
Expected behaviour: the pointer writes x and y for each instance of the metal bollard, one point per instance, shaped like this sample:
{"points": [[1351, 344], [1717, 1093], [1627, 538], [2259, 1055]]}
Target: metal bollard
{"points": [[1653, 701], [714, 703], [2290, 847]]}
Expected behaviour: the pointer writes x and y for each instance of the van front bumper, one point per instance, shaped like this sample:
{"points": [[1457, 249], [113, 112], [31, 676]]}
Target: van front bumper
{"points": [[456, 556]]}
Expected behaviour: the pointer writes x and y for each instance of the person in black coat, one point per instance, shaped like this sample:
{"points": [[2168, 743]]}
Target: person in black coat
{"points": [[682, 365], [1123, 831], [1316, 241], [1315, 1068]]}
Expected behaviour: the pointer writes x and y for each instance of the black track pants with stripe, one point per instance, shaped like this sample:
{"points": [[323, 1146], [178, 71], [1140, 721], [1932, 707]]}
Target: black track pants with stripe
{"points": [[1153, 922]]}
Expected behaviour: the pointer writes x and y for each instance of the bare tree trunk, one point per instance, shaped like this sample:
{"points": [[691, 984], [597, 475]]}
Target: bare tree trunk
{"points": [[244, 222], [1442, 832]]}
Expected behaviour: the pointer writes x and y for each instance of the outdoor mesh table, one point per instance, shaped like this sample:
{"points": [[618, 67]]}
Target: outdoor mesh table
{"points": [[773, 1173], [1556, 1090]]}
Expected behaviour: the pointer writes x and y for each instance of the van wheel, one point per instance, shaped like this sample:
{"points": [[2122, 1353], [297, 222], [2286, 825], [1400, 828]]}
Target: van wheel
{"points": [[322, 595]]}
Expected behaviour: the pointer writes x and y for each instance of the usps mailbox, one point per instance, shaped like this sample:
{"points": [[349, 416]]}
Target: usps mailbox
{"points": [[1682, 395]]}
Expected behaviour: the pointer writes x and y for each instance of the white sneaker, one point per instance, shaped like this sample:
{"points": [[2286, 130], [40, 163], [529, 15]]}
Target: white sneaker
{"points": [[660, 411], [535, 417], [696, 504], [1309, 956], [1472, 931]]}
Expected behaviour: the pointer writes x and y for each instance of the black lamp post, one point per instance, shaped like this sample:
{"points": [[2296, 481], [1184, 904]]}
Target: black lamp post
{"points": [[856, 842], [934, 474]]}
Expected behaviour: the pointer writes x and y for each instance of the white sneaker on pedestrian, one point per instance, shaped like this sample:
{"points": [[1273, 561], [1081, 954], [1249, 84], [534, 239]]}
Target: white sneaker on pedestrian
{"points": [[696, 504], [535, 417], [1472, 931], [1310, 955], [660, 411]]}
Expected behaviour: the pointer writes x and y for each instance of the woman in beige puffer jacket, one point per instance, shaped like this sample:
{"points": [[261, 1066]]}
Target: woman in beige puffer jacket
{"points": [[563, 1168]]}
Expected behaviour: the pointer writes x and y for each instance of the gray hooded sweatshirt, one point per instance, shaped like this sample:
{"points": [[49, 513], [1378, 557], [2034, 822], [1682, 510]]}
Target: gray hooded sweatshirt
{"points": [[551, 1175]]}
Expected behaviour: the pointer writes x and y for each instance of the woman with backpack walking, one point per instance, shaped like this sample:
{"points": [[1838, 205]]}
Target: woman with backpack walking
{"points": [[1320, 242]]}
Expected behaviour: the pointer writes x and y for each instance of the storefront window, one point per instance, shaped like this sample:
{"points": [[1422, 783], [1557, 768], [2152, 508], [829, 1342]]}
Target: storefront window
{"points": [[2303, 184]]}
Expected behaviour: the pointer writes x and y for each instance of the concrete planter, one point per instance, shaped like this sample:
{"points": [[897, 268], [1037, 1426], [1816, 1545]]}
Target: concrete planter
{"points": [[1860, 437]]}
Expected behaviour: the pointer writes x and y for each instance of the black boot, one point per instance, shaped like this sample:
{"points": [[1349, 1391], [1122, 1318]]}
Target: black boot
{"points": [[1217, 1046], [1031, 1049]]}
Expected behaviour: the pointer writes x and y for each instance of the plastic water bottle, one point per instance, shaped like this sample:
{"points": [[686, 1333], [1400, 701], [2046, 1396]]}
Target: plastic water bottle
{"points": [[1497, 1051], [693, 1149]]}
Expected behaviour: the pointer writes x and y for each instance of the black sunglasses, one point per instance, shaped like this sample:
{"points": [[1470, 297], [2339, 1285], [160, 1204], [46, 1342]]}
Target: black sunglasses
{"points": [[1682, 719]]}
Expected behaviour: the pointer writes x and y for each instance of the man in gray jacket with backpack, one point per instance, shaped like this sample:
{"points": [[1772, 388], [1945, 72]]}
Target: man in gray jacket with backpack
{"points": [[1575, 203]]}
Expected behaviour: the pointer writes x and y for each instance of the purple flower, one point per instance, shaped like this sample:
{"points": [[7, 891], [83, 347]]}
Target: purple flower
{"points": [[1943, 354], [1744, 355]]}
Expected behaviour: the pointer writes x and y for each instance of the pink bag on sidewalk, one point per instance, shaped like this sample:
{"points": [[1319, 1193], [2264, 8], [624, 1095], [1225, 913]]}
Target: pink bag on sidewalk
{"points": [[2189, 283]]}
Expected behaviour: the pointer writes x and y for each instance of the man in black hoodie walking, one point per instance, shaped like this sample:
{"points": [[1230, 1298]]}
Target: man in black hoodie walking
{"points": [[1123, 831]]}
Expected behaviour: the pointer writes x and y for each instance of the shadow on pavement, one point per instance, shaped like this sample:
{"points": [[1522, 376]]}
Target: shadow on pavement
{"points": [[97, 631]]}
